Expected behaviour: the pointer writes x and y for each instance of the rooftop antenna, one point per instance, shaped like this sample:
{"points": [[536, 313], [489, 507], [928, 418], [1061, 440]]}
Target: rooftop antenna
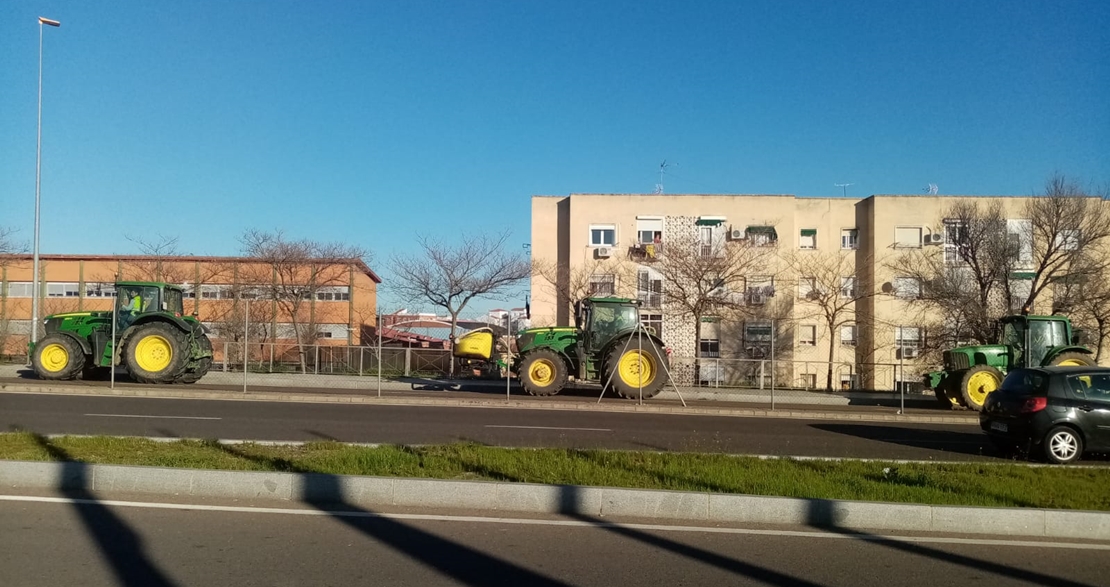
{"points": [[931, 189], [662, 170], [844, 187]]}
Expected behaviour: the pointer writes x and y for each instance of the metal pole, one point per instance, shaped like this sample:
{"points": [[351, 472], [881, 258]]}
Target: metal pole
{"points": [[901, 369], [640, 358], [246, 340], [379, 325], [38, 176], [316, 361], [772, 364], [115, 347]]}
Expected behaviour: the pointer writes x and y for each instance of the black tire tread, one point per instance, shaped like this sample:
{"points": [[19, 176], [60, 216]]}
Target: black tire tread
{"points": [[177, 343], [76, 363], [560, 372]]}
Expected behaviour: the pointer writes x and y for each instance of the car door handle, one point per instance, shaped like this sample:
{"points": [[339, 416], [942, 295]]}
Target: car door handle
{"points": [[1086, 408]]}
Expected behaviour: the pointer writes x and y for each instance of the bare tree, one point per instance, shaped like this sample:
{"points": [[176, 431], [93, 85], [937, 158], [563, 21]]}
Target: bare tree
{"points": [[292, 273], [571, 285], [451, 276], [828, 291], [703, 278], [160, 261], [9, 246]]}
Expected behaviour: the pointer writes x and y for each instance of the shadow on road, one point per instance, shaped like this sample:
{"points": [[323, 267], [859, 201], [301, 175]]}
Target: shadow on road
{"points": [[827, 515], [968, 443], [457, 561], [119, 545]]}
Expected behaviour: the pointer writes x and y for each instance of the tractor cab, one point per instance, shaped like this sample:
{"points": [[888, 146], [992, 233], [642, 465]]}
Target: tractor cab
{"points": [[1030, 339], [602, 319], [134, 299]]}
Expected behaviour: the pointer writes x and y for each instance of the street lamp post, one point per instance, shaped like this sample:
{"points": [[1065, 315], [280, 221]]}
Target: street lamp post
{"points": [[38, 174]]}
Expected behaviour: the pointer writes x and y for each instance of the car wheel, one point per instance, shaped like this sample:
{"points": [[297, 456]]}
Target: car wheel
{"points": [[1062, 445]]}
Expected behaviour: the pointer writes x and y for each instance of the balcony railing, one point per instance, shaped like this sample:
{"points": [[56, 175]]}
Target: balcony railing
{"points": [[651, 300], [645, 252]]}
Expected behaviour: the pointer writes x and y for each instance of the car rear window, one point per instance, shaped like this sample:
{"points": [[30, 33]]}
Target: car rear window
{"points": [[1022, 382]]}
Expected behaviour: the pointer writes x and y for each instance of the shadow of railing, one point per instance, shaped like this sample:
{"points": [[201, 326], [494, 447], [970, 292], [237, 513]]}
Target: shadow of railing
{"points": [[119, 545], [826, 515], [462, 563]]}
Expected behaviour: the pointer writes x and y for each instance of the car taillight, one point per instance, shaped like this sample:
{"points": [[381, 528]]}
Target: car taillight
{"points": [[1034, 404]]}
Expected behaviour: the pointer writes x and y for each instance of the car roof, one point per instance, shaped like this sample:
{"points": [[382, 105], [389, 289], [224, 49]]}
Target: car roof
{"points": [[1057, 370]]}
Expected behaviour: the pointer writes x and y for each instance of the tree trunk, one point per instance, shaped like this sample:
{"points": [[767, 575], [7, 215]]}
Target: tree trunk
{"points": [[697, 349], [832, 355], [451, 355]]}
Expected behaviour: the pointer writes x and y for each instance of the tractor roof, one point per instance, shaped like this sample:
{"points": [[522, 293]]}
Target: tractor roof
{"points": [[159, 284], [612, 300]]}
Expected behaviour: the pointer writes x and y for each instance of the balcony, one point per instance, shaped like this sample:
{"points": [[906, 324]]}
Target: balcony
{"points": [[645, 252], [652, 301]]}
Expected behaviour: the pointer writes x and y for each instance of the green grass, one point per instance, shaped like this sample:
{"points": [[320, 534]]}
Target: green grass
{"points": [[949, 484]]}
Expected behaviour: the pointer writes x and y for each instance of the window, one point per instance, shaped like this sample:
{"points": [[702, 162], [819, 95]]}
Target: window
{"points": [[849, 238], [760, 287], [808, 239], [1019, 292], [603, 235], [848, 335], [20, 289], [809, 380], [955, 237], [713, 285], [62, 290], [653, 322], [603, 285], [907, 237], [908, 339], [331, 294], [709, 345], [1068, 239], [649, 288], [1020, 236], [807, 335], [758, 337], [848, 287], [710, 241], [331, 331], [100, 290], [807, 286], [907, 288], [762, 236], [188, 292], [649, 230], [216, 292]]}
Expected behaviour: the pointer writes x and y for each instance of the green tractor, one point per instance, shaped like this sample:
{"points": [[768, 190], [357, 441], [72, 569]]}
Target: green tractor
{"points": [[606, 346], [973, 372], [157, 342]]}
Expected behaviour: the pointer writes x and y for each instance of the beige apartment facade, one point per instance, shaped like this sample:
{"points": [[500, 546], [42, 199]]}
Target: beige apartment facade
{"points": [[595, 244]]}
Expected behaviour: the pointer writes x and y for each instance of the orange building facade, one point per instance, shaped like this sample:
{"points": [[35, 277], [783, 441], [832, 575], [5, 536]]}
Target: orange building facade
{"points": [[331, 302]]}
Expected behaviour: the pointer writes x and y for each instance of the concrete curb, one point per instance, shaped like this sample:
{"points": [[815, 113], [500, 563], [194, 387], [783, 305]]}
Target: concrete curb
{"points": [[376, 492], [588, 406]]}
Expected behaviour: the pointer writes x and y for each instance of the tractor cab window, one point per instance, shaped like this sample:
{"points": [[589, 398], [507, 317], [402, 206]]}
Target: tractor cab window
{"points": [[608, 321], [135, 300], [1044, 335], [1013, 336], [174, 303]]}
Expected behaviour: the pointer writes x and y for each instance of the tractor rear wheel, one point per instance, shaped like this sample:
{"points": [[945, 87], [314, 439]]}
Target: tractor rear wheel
{"points": [[977, 383], [156, 353], [202, 364], [1073, 360], [58, 356], [543, 372], [636, 371]]}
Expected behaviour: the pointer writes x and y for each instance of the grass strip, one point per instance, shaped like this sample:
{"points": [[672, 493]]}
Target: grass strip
{"points": [[987, 484]]}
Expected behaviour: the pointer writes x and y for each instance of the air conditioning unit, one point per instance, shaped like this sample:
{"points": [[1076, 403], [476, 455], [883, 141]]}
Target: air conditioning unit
{"points": [[604, 252], [934, 238], [756, 298], [909, 352], [737, 235]]}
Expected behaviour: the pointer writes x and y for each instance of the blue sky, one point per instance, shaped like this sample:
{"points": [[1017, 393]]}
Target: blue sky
{"points": [[370, 122]]}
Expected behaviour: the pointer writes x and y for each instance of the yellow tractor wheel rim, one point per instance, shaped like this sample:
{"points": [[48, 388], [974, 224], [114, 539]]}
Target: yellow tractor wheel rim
{"points": [[54, 357], [153, 353], [980, 385], [542, 372], [1071, 363], [636, 368]]}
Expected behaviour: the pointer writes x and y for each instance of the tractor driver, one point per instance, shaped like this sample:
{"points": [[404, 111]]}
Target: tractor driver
{"points": [[129, 310]]}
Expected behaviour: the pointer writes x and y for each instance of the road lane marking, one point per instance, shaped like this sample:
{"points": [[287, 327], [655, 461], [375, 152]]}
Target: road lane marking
{"points": [[564, 523], [159, 417], [549, 428]]}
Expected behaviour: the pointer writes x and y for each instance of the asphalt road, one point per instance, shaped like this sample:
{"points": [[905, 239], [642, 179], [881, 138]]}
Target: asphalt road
{"points": [[96, 543], [276, 421]]}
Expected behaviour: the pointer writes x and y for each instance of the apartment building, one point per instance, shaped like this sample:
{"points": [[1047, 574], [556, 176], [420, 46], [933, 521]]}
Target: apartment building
{"points": [[615, 244], [226, 293]]}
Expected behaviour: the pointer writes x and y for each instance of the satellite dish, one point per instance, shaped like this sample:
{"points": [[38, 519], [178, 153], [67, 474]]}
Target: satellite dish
{"points": [[888, 287]]}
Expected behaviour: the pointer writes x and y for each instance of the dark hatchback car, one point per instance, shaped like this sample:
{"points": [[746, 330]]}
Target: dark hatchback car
{"points": [[1057, 412]]}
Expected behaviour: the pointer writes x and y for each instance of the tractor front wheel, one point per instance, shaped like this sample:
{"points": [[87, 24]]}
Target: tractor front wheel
{"points": [[156, 353], [636, 371], [58, 356], [977, 383], [543, 372], [1073, 360]]}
